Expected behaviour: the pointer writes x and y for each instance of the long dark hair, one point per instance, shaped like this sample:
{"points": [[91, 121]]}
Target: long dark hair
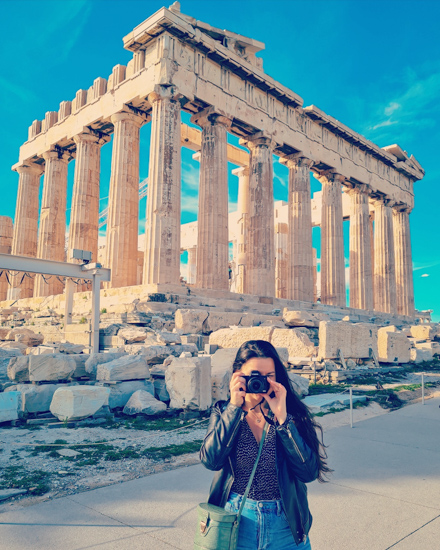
{"points": [[303, 419]]}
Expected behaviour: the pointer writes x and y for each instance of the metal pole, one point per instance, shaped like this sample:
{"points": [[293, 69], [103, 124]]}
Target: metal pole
{"points": [[96, 287], [423, 389], [314, 372], [351, 407], [69, 302]]}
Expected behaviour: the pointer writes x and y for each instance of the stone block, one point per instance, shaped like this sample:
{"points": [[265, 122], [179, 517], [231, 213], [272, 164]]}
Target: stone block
{"points": [[142, 402], [130, 367], [121, 393], [9, 405], [25, 336], [33, 398], [297, 343], [299, 384], [300, 318], [158, 354], [160, 389], [18, 369], [221, 319], [420, 355], [78, 402], [393, 346], [80, 362], [14, 345], [96, 359], [188, 382], [69, 348], [422, 332], [132, 335], [4, 332], [190, 321], [54, 366], [5, 357], [354, 339], [234, 337], [220, 379]]}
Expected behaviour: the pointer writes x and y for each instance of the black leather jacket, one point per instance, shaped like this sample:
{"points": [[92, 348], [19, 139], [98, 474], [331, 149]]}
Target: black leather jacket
{"points": [[296, 464]]}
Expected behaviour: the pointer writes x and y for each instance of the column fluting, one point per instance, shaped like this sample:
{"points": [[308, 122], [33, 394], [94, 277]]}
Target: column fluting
{"points": [[384, 260], [300, 253], [6, 232], [162, 234], [212, 221], [84, 217], [123, 203], [403, 259], [243, 221], [25, 235], [361, 267], [332, 241], [261, 240], [52, 230]]}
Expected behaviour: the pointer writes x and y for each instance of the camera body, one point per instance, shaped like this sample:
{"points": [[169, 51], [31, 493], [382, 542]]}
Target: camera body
{"points": [[256, 383]]}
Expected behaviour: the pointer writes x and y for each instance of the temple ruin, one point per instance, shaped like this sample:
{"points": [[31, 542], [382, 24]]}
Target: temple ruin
{"points": [[178, 64]]}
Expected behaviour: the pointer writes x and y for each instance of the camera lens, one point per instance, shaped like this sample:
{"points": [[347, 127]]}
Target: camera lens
{"points": [[255, 385]]}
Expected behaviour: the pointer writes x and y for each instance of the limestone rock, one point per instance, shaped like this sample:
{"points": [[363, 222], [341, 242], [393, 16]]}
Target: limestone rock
{"points": [[4, 332], [351, 364], [78, 402], [394, 346], [158, 371], [221, 319], [33, 398], [9, 404], [190, 321], [18, 369], [158, 354], [14, 345], [297, 342], [188, 382], [96, 359], [234, 337], [299, 319], [142, 402], [55, 366], [299, 384], [220, 379], [354, 339], [130, 367], [132, 335], [121, 393], [160, 389], [420, 355], [162, 338], [223, 357], [29, 340], [422, 332], [5, 357], [80, 362], [67, 347]]}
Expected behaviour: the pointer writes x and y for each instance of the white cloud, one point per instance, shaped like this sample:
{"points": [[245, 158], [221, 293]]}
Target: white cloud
{"points": [[393, 106], [425, 275]]}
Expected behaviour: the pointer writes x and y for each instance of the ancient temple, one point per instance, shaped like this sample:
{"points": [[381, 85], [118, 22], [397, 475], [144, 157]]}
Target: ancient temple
{"points": [[178, 64]]}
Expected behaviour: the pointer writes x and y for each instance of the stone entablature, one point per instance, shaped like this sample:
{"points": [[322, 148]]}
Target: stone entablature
{"points": [[171, 48]]}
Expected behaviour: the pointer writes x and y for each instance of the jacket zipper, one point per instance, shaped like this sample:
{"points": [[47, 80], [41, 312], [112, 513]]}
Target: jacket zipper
{"points": [[295, 445]]}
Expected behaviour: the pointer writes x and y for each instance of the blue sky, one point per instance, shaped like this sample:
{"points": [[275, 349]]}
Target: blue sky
{"points": [[374, 65]]}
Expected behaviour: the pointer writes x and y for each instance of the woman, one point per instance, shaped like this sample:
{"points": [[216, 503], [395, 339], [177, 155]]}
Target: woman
{"points": [[276, 514]]}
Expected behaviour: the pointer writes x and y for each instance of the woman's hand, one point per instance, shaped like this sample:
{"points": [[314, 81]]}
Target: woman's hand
{"points": [[277, 403], [237, 389]]}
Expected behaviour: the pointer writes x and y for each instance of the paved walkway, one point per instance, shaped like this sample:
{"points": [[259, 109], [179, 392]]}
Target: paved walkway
{"points": [[385, 493]]}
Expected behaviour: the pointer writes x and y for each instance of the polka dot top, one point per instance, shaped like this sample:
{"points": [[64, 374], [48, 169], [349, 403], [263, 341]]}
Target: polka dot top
{"points": [[265, 483]]}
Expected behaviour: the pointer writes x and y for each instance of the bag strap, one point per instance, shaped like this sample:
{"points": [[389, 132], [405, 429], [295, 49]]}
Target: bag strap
{"points": [[248, 488]]}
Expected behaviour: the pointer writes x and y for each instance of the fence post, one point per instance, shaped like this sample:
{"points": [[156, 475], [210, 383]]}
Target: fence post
{"points": [[423, 389], [351, 407]]}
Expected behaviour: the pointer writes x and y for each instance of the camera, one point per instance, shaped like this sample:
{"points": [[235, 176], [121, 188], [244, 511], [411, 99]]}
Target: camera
{"points": [[256, 383]]}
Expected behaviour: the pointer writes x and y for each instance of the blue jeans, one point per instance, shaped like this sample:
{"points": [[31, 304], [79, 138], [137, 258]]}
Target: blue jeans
{"points": [[263, 525]]}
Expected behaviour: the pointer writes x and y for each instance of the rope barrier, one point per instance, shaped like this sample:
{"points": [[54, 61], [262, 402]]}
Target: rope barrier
{"points": [[9, 274]]}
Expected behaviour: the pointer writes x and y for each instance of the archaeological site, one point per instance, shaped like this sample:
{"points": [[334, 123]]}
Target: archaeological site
{"points": [[168, 336]]}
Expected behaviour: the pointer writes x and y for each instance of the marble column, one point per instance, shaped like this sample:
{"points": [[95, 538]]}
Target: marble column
{"points": [[300, 255], [281, 260], [332, 241], [6, 232], [384, 260], [123, 203], [24, 240], [361, 272], [212, 220], [52, 230], [403, 259], [192, 265], [260, 278], [84, 216], [162, 235], [243, 221]]}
